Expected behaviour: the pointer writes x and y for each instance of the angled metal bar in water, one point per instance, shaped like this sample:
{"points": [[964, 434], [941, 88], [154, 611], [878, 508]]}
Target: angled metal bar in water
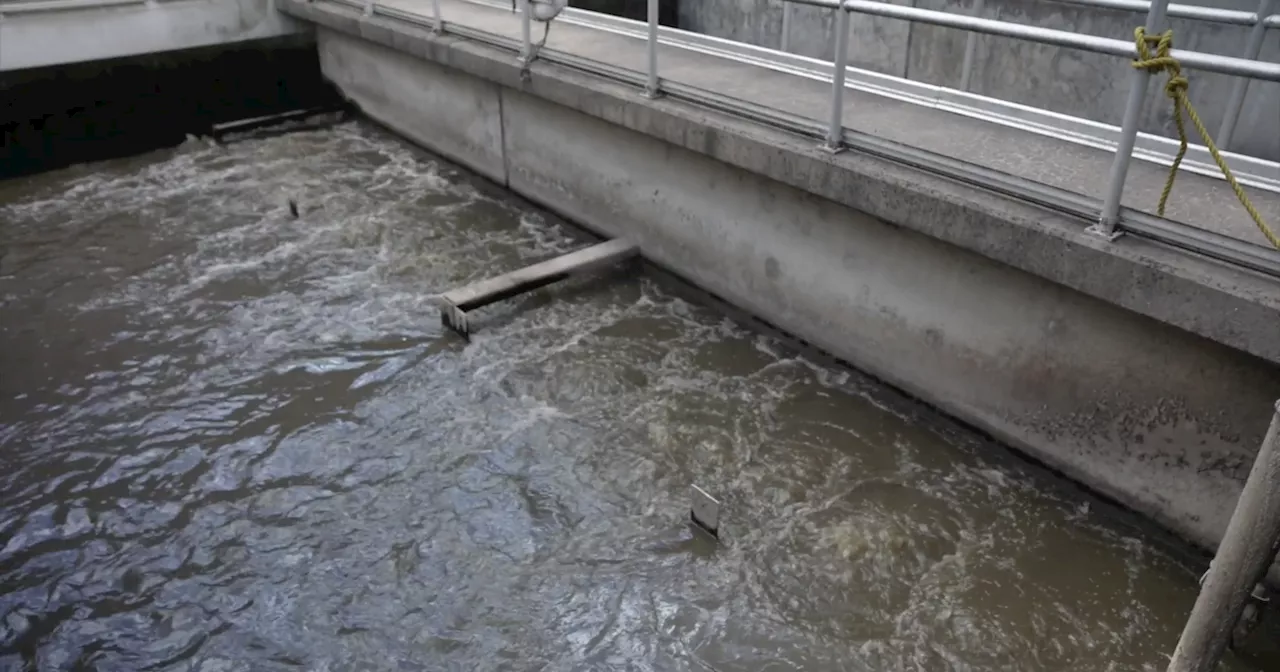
{"points": [[1252, 48], [970, 48], [704, 512], [456, 303], [1138, 80], [217, 131], [1247, 549], [835, 126]]}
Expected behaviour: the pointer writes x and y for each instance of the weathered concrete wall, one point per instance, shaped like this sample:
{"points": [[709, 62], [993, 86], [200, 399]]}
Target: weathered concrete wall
{"points": [[1092, 86], [49, 38], [1160, 419], [452, 113]]}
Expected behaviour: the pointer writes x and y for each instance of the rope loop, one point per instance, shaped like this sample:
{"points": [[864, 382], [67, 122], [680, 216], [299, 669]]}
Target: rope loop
{"points": [[1175, 88]]}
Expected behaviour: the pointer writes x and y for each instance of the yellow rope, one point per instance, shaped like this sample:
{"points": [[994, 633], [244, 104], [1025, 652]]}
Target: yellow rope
{"points": [[1176, 88]]}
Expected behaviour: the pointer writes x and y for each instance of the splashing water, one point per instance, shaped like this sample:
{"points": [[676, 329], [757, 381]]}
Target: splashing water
{"points": [[236, 440]]}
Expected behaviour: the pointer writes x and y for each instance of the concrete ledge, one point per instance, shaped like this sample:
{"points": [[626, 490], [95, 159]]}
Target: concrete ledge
{"points": [[49, 38], [1004, 315]]}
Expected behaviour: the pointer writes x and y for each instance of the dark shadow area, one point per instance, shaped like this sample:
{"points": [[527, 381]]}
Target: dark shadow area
{"points": [[58, 116], [632, 9]]}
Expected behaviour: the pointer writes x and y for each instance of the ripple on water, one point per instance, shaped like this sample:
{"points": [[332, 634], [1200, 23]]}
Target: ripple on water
{"points": [[235, 440]]}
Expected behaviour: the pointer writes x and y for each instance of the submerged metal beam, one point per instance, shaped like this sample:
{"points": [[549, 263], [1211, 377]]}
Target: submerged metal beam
{"points": [[456, 303]]}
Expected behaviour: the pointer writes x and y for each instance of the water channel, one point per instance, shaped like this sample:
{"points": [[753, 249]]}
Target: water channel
{"points": [[236, 440]]}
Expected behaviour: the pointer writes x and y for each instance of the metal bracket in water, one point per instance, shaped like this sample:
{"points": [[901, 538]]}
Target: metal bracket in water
{"points": [[455, 318], [704, 512]]}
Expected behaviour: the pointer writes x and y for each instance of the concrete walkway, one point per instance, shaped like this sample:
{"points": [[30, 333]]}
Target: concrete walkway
{"points": [[1199, 201]]}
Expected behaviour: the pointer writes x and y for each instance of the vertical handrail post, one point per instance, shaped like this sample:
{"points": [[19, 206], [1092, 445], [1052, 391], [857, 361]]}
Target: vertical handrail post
{"points": [[435, 8], [1109, 218], [970, 49], [526, 41], [1247, 550], [651, 87], [787, 9], [1252, 48], [835, 129], [368, 8]]}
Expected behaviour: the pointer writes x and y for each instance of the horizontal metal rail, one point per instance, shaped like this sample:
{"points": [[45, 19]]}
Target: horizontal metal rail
{"points": [[1078, 206], [1252, 171], [40, 6], [1233, 17], [1195, 60]]}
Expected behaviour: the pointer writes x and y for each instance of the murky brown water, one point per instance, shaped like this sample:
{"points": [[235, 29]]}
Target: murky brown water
{"points": [[236, 441]]}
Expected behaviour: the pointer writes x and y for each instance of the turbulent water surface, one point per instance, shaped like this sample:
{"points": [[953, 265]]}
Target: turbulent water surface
{"points": [[235, 440]]}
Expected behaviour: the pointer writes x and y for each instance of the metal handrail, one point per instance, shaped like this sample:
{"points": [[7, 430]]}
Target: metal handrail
{"points": [[1259, 21], [1254, 172], [1252, 49], [1194, 12], [1196, 60], [1209, 14], [1108, 222], [38, 6], [1235, 252], [1108, 218]]}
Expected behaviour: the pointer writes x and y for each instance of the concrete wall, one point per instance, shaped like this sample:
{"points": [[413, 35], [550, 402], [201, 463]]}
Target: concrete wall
{"points": [[1081, 84], [1160, 419], [50, 38]]}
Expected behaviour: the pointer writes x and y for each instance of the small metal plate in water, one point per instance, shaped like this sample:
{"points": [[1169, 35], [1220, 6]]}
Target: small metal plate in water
{"points": [[704, 512]]}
